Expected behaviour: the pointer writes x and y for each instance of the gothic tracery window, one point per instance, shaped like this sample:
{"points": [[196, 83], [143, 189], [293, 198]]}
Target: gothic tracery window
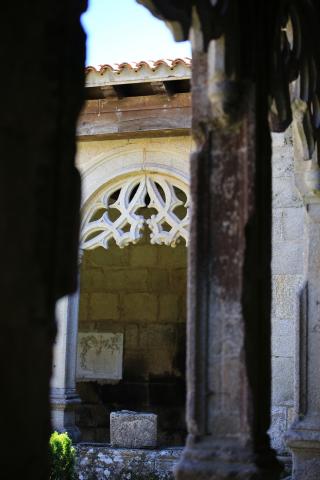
{"points": [[123, 210]]}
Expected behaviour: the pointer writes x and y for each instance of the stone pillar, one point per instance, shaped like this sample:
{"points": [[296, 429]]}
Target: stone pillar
{"points": [[228, 358], [40, 203], [303, 437], [64, 397]]}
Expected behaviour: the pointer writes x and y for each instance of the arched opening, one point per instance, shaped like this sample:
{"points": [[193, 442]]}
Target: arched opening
{"points": [[132, 314]]}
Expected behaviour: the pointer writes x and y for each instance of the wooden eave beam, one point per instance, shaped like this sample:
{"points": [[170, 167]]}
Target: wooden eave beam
{"points": [[135, 116]]}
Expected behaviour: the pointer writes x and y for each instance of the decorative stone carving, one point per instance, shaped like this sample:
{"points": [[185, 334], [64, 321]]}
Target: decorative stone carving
{"points": [[99, 356], [115, 213], [133, 429]]}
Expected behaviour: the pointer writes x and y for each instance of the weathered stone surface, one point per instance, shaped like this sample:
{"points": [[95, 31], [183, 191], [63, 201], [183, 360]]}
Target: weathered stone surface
{"points": [[282, 380], [63, 395], [139, 306], [229, 278], [303, 437], [288, 219], [284, 193], [102, 462], [283, 339], [133, 429], [278, 428], [168, 307], [282, 165], [285, 296], [104, 306], [99, 356], [152, 317], [288, 224], [287, 258], [293, 223], [143, 256]]}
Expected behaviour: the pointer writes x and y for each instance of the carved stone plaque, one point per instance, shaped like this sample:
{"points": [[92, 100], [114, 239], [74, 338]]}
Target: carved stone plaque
{"points": [[99, 356]]}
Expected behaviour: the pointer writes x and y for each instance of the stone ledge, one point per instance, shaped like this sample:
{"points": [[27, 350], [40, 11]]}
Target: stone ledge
{"points": [[100, 462]]}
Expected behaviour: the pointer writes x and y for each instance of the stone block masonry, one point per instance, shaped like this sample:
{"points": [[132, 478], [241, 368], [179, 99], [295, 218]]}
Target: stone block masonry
{"points": [[140, 292], [287, 278]]}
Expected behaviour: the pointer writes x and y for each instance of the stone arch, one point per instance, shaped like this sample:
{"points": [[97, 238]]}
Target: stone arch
{"points": [[104, 166], [112, 212], [160, 322], [127, 169]]}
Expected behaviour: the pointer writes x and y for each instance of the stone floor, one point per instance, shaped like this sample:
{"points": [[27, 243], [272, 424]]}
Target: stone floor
{"points": [[101, 462]]}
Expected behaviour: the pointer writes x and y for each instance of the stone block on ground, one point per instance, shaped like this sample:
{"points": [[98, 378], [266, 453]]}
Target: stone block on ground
{"points": [[133, 429]]}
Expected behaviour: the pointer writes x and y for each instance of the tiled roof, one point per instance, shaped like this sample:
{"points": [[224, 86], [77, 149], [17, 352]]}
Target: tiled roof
{"points": [[144, 71]]}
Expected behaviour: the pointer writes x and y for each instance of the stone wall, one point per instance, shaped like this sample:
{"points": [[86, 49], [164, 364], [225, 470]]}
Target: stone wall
{"points": [[287, 270], [122, 282], [138, 291], [102, 462]]}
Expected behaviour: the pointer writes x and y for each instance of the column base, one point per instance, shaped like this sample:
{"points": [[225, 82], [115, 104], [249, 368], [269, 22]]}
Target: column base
{"points": [[303, 439], [63, 405], [214, 460]]}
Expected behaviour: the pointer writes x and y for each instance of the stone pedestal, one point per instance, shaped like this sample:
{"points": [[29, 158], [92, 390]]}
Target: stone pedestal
{"points": [[64, 397], [133, 429]]}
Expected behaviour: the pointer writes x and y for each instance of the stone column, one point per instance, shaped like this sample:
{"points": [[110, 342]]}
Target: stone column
{"points": [[228, 359], [303, 437], [64, 397]]}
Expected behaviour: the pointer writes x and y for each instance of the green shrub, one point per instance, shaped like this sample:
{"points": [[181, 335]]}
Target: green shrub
{"points": [[62, 455]]}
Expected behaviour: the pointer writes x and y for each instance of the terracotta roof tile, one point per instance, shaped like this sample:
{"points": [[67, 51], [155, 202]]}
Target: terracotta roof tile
{"points": [[136, 66], [143, 71]]}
